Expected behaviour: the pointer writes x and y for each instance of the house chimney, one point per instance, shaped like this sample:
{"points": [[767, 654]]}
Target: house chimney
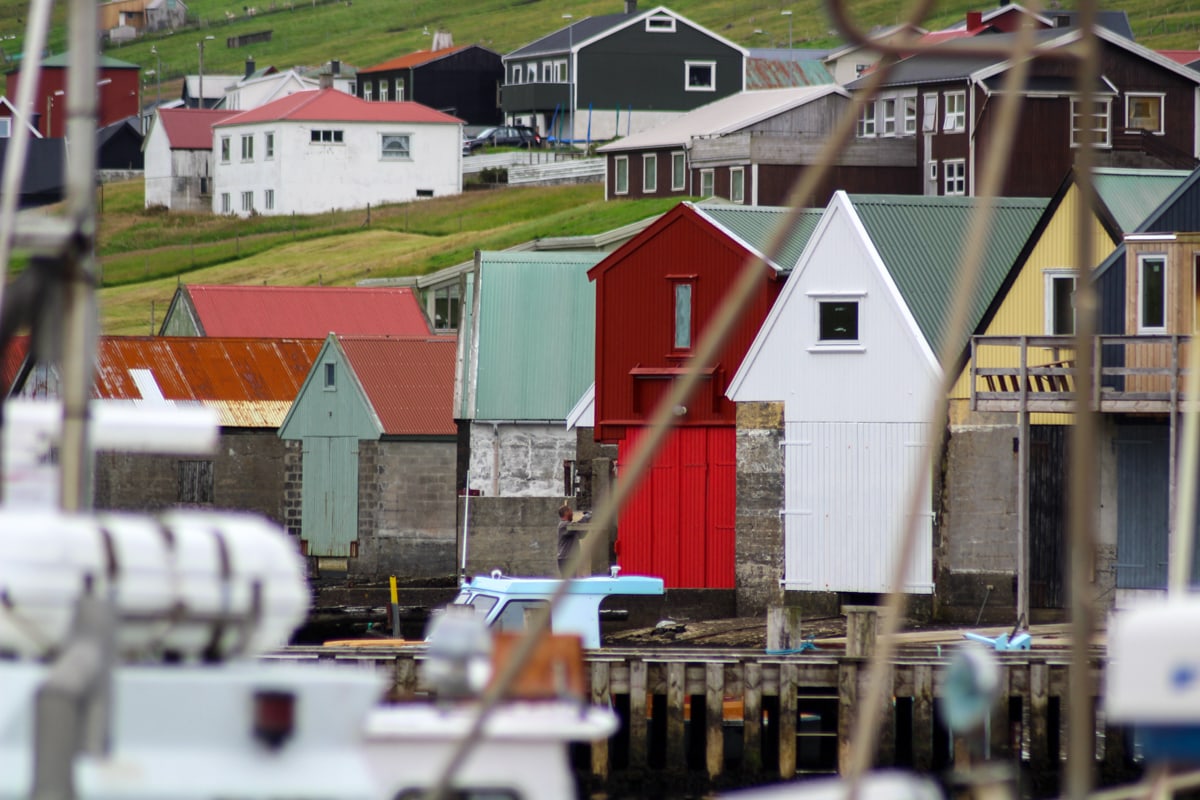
{"points": [[335, 66], [974, 20], [326, 81], [630, 6], [249, 66]]}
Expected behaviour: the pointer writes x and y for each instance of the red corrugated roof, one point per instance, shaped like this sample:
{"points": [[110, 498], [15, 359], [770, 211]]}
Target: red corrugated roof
{"points": [[409, 381], [307, 311], [190, 128], [413, 59], [1184, 57], [11, 361], [332, 105]]}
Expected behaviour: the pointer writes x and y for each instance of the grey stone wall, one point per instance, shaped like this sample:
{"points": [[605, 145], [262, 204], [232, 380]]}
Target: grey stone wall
{"points": [[406, 510], [760, 481], [587, 453], [514, 534], [522, 459], [293, 485]]}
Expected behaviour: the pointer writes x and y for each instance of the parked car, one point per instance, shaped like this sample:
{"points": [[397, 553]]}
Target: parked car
{"points": [[503, 136]]}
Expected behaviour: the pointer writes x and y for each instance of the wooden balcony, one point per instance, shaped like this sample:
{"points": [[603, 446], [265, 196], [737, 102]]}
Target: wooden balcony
{"points": [[1133, 374]]}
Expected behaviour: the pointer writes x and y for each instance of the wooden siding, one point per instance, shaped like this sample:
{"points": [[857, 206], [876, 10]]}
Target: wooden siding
{"points": [[775, 182], [1180, 308], [1143, 479], [329, 509], [637, 175], [802, 148]]}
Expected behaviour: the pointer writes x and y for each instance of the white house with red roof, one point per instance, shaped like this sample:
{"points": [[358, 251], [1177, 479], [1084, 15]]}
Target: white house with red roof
{"points": [[312, 152], [178, 155]]}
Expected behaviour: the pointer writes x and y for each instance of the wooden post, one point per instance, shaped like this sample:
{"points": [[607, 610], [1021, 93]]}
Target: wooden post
{"points": [[714, 718], [787, 720], [601, 696], [922, 742], [847, 700], [1040, 757], [862, 624], [885, 750], [752, 718], [637, 713], [783, 628], [676, 696], [1023, 513]]}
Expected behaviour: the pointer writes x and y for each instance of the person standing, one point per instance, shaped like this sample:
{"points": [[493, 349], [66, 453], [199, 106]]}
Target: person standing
{"points": [[568, 540]]}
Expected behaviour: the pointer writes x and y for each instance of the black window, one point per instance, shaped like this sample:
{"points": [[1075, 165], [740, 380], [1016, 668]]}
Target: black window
{"points": [[839, 321]]}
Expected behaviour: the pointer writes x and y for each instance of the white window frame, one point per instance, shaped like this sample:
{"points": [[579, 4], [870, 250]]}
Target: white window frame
{"points": [[386, 155], [5, 127], [1052, 277], [908, 108], [368, 88], [1104, 143], [517, 72], [399, 89], [649, 173], [383, 91], [867, 121], [531, 72], [955, 118], [930, 114], [678, 171], [1143, 258], [737, 185], [855, 345], [560, 71], [226, 149], [269, 146], [269, 199], [1130, 97], [226, 203], [247, 201], [709, 177], [247, 147], [954, 176], [620, 174], [660, 23], [887, 124], [687, 76], [326, 136], [933, 171]]}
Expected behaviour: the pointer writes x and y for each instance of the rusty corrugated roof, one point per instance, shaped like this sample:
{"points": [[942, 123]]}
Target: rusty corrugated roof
{"points": [[251, 382], [11, 361], [769, 73], [409, 381], [307, 311]]}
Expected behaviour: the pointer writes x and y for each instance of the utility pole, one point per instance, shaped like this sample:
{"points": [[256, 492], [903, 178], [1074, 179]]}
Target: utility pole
{"points": [[200, 89]]}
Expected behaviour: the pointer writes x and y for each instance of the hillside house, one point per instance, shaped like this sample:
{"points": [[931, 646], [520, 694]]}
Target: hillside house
{"points": [[213, 87], [118, 93], [127, 19], [312, 152], [463, 81], [177, 158], [256, 90]]}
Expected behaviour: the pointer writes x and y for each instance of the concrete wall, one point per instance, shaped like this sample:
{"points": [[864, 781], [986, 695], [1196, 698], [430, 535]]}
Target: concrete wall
{"points": [[529, 455], [759, 545], [406, 510], [517, 535]]}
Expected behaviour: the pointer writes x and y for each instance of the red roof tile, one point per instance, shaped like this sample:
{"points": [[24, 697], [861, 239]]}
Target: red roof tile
{"points": [[413, 59], [409, 381], [190, 128], [333, 105], [307, 311]]}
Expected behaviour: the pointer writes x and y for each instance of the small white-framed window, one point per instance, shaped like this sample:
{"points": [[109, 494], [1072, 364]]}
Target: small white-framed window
{"points": [[247, 201], [226, 203], [700, 76], [1098, 122], [955, 119], [838, 321], [560, 71], [866, 121], [399, 90], [933, 171], [248, 148], [649, 173], [929, 117], [954, 177], [707, 184], [660, 23], [226, 150], [888, 121], [531, 73], [368, 88], [678, 172], [737, 184], [383, 91], [1060, 302], [269, 145], [683, 297], [621, 175], [269, 199], [395, 146], [5, 127], [910, 114], [1144, 112], [517, 72], [1152, 293]]}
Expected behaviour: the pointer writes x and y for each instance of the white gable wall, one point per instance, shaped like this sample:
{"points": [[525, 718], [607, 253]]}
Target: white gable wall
{"points": [[856, 439], [156, 154]]}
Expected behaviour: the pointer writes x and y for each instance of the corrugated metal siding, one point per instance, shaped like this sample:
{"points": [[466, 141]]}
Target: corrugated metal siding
{"points": [[847, 490], [679, 523], [1183, 214], [1131, 194], [758, 226], [409, 382], [1142, 524], [768, 73]]}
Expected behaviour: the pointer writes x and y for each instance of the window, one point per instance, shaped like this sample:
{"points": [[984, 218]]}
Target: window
{"points": [[516, 74], [660, 23], [512, 616], [956, 112], [560, 71], [737, 184], [621, 175], [1060, 302], [445, 308], [399, 90], [889, 116], [247, 148], [910, 114], [330, 376], [1144, 112], [531, 73], [866, 120], [325, 136], [1152, 294], [706, 183], [226, 149], [247, 201], [395, 147], [954, 177], [700, 76], [932, 170], [383, 91], [837, 321], [1097, 125], [268, 146], [226, 205], [205, 185], [368, 89], [678, 172], [269, 199], [929, 120], [649, 174], [683, 316], [5, 127], [196, 482]]}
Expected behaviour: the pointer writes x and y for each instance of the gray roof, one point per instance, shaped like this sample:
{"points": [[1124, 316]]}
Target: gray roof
{"points": [[563, 38], [934, 67]]}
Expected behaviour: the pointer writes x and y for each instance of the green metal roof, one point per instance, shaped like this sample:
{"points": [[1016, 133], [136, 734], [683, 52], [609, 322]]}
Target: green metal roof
{"points": [[920, 241], [64, 60], [757, 226], [536, 333], [1131, 194]]}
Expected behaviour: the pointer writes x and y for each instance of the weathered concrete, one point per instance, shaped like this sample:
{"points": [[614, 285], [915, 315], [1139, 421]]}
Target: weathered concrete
{"points": [[590, 455], [516, 535], [760, 481], [520, 459]]}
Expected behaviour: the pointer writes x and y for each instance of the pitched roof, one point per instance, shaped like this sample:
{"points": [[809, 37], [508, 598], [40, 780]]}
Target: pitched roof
{"points": [[190, 128], [250, 382], [214, 85], [535, 334], [771, 73], [408, 381], [333, 105], [414, 59], [1183, 201], [723, 116], [1131, 194], [306, 311], [560, 40], [920, 241], [103, 61], [755, 227]]}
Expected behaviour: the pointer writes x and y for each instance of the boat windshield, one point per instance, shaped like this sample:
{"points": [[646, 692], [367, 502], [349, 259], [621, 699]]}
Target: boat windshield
{"points": [[482, 603]]}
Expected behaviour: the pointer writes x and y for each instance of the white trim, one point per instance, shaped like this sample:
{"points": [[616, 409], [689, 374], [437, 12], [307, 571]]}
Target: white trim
{"points": [[647, 158], [1162, 111], [679, 18], [687, 70], [617, 175], [1150, 237], [741, 171], [1108, 133], [712, 180], [584, 410], [946, 114], [1141, 295], [1049, 276], [947, 176], [670, 28], [682, 185], [733, 237]]}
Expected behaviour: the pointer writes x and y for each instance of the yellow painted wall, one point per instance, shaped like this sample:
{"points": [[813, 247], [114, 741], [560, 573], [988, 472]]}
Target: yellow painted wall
{"points": [[1023, 309]]}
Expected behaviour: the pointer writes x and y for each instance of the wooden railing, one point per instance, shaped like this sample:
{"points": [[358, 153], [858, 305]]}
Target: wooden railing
{"points": [[1131, 374]]}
